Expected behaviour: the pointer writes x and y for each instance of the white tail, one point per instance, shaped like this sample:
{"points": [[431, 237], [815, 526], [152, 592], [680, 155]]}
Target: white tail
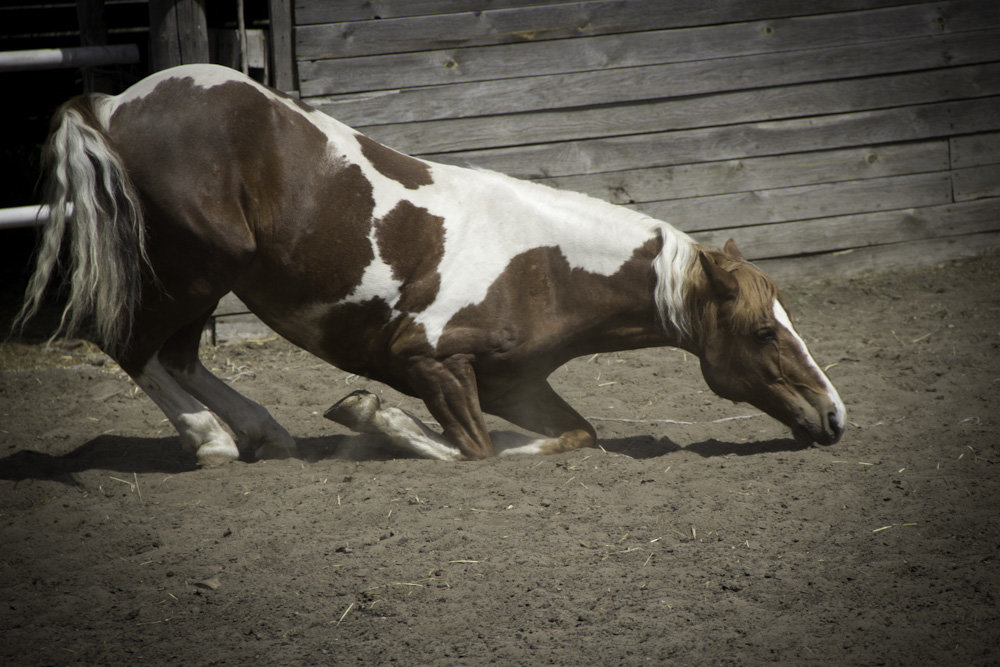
{"points": [[106, 245]]}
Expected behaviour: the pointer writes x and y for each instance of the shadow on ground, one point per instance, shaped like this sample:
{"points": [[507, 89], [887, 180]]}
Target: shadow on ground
{"points": [[165, 455]]}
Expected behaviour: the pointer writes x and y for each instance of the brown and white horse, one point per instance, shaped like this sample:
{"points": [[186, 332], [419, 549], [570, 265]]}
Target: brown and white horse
{"points": [[465, 288]]}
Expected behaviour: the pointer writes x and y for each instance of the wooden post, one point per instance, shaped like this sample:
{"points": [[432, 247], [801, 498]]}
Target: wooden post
{"points": [[282, 56], [93, 32], [178, 33]]}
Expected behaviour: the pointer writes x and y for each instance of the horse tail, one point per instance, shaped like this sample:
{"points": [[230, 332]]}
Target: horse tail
{"points": [[93, 208]]}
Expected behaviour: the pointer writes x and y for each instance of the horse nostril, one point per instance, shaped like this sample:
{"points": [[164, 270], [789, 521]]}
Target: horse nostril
{"points": [[833, 421]]}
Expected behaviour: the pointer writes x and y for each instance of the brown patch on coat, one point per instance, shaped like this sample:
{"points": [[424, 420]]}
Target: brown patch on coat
{"points": [[372, 340], [244, 189], [411, 241], [409, 171], [541, 312]]}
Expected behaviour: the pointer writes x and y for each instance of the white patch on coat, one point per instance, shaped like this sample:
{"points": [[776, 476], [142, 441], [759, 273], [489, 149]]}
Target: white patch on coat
{"points": [[782, 318], [489, 219]]}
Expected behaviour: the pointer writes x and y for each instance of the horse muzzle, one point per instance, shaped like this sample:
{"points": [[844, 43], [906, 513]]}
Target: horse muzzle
{"points": [[825, 427]]}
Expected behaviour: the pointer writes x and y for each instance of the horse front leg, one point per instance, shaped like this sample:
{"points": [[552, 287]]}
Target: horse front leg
{"points": [[198, 429], [362, 411], [257, 433], [448, 389], [535, 406]]}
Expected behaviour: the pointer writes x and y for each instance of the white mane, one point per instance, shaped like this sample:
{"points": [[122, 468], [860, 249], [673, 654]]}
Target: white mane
{"points": [[672, 266]]}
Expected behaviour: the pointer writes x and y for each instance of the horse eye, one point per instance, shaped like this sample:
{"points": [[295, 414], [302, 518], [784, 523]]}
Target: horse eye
{"points": [[766, 335]]}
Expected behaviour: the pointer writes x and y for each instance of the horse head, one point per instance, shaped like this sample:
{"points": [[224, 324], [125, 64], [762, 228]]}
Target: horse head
{"points": [[750, 351]]}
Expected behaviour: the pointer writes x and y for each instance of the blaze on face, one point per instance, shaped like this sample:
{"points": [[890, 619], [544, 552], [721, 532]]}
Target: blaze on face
{"points": [[751, 352]]}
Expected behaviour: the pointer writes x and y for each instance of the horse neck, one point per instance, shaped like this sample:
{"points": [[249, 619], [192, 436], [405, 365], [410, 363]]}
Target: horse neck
{"points": [[621, 312]]}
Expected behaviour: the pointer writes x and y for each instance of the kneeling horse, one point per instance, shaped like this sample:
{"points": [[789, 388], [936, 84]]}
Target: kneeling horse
{"points": [[464, 288]]}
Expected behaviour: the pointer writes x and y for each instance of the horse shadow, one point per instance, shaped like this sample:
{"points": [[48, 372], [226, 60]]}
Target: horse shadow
{"points": [[648, 447], [105, 452], [165, 455]]}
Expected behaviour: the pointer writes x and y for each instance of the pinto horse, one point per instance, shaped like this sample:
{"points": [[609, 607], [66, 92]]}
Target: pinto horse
{"points": [[464, 288]]}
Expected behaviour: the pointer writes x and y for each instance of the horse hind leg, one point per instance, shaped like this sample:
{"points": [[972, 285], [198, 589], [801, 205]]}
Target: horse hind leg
{"points": [[198, 429], [258, 435]]}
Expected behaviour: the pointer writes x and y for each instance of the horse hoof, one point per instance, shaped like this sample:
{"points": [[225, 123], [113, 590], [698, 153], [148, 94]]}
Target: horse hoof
{"points": [[274, 450], [355, 411], [212, 454]]}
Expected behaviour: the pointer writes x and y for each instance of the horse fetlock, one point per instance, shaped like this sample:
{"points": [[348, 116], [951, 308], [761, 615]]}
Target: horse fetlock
{"points": [[575, 439]]}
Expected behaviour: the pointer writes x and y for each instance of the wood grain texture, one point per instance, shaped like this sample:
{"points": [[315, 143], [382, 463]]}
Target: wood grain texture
{"points": [[654, 82], [742, 175], [977, 182], [544, 21], [879, 259], [803, 202], [910, 123], [838, 96], [635, 49], [840, 233], [974, 150]]}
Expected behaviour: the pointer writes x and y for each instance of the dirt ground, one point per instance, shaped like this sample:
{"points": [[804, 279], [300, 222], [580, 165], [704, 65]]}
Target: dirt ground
{"points": [[698, 533]]}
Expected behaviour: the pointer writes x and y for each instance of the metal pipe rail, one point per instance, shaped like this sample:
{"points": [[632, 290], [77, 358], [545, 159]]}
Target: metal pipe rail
{"points": [[77, 56]]}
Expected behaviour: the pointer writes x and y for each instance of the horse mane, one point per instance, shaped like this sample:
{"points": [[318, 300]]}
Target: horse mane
{"points": [[757, 296], [674, 266]]}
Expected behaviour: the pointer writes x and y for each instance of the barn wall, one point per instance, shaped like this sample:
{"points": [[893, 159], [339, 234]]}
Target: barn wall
{"points": [[833, 136]]}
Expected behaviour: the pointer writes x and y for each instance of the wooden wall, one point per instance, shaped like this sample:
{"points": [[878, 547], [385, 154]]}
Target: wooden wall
{"points": [[828, 137]]}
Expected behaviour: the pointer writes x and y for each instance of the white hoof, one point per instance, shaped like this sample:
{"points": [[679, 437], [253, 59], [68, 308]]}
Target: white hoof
{"points": [[216, 453], [355, 411]]}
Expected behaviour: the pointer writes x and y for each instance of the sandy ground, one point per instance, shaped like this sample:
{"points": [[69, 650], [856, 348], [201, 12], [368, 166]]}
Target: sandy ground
{"points": [[698, 533]]}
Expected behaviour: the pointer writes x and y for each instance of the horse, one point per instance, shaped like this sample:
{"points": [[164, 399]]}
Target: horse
{"points": [[465, 288]]}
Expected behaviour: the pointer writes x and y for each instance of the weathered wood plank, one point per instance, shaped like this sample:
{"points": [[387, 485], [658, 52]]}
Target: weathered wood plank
{"points": [[313, 11], [282, 55], [738, 141], [860, 230], [803, 202], [977, 182], [975, 150], [794, 169], [463, 65], [689, 112], [663, 81], [878, 259], [526, 24], [178, 33]]}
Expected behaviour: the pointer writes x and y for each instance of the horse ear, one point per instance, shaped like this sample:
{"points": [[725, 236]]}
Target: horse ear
{"points": [[722, 282], [734, 252]]}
